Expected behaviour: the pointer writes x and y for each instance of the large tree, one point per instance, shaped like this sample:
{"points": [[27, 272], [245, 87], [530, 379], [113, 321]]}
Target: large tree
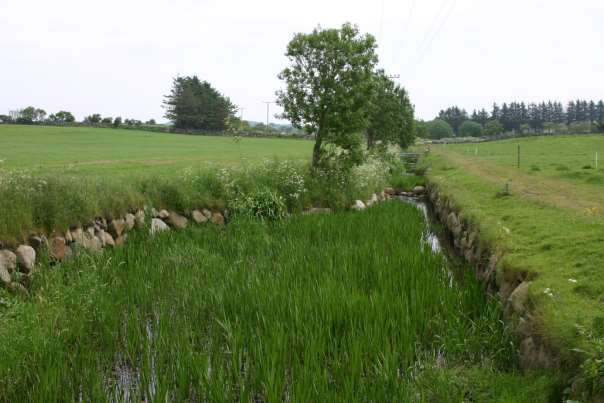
{"points": [[439, 129], [329, 85], [195, 104], [470, 128], [391, 114], [454, 116]]}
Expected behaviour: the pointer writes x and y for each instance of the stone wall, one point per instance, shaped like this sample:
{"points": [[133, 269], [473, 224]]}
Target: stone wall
{"points": [[510, 285], [17, 265]]}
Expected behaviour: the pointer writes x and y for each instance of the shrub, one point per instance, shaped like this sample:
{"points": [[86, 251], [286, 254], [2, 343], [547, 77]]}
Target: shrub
{"points": [[439, 129], [470, 129], [264, 204]]}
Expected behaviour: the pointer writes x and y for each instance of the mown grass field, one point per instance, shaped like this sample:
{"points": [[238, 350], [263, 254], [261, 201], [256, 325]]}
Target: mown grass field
{"points": [[113, 152], [551, 224], [342, 307]]}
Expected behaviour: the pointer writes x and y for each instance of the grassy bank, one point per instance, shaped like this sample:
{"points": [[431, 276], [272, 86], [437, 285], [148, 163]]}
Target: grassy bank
{"points": [[546, 218], [341, 307], [44, 203]]}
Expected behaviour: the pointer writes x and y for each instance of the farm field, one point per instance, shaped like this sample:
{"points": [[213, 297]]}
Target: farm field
{"points": [[547, 218], [85, 151], [341, 307]]}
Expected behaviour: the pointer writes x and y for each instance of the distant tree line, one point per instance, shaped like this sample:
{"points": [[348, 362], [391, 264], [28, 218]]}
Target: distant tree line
{"points": [[520, 118], [32, 116]]}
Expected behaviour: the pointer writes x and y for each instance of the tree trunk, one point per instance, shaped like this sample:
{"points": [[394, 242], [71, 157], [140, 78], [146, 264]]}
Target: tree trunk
{"points": [[316, 152], [370, 141]]}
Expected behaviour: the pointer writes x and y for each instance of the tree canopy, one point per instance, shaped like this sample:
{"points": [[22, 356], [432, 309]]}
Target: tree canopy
{"points": [[329, 85], [470, 129], [391, 114], [439, 129], [195, 104]]}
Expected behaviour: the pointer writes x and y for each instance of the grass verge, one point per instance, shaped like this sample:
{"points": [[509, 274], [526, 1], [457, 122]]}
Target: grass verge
{"points": [[541, 226]]}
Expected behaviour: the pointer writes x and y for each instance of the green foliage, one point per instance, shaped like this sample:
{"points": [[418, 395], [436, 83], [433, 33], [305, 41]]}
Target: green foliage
{"points": [[454, 116], [328, 85], [195, 104], [421, 129], [93, 119], [117, 122], [439, 129], [493, 127], [590, 382], [264, 204], [341, 307], [391, 114], [61, 117], [470, 129]]}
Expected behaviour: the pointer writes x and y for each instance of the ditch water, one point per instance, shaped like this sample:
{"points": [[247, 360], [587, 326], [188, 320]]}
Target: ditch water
{"points": [[430, 238]]}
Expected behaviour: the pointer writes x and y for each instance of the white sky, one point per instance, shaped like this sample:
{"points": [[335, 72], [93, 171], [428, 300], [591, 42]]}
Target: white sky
{"points": [[118, 57]]}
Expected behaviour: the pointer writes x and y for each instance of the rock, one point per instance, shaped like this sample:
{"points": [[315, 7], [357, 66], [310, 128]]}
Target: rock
{"points": [[158, 225], [382, 196], [217, 218], [116, 227], [18, 289], [198, 217], [419, 190], [154, 213], [101, 223], [130, 221], [358, 205], [389, 191], [163, 214], [108, 240], [519, 297], [57, 246], [100, 234], [177, 221], [8, 260], [92, 243], [140, 219], [90, 231], [26, 258], [78, 236], [207, 213], [120, 241], [453, 224], [36, 241], [4, 276], [374, 199], [68, 237]]}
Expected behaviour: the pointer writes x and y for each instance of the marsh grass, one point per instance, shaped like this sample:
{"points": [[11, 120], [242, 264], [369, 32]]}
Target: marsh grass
{"points": [[341, 307]]}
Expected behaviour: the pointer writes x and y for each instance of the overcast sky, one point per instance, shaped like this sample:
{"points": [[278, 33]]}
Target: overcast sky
{"points": [[118, 57]]}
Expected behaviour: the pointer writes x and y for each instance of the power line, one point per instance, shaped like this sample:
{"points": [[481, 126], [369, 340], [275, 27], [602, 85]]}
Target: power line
{"points": [[437, 32], [432, 26]]}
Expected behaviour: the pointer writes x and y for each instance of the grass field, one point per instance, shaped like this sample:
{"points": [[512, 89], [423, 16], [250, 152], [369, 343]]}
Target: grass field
{"points": [[551, 224], [342, 307], [114, 152], [53, 177]]}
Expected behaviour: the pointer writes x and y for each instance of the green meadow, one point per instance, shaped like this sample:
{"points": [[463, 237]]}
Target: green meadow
{"points": [[546, 218], [85, 151]]}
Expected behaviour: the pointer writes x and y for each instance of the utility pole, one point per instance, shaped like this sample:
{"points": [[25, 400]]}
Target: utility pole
{"points": [[241, 118], [267, 108]]}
